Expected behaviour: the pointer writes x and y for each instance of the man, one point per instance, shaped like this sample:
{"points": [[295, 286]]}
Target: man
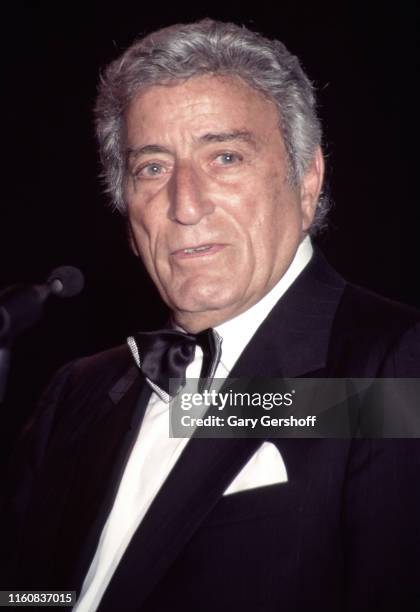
{"points": [[212, 149]]}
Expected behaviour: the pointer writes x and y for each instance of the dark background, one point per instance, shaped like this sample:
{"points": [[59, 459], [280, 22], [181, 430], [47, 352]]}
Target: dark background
{"points": [[363, 61]]}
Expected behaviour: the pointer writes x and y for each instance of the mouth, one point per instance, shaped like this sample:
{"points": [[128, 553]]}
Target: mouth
{"points": [[198, 251]]}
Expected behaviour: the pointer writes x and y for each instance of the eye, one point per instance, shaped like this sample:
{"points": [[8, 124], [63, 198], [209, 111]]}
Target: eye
{"points": [[227, 159], [150, 171]]}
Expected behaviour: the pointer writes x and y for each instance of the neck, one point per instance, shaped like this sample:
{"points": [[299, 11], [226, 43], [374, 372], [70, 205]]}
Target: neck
{"points": [[195, 322]]}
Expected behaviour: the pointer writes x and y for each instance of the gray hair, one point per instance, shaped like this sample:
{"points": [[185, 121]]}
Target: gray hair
{"points": [[182, 51]]}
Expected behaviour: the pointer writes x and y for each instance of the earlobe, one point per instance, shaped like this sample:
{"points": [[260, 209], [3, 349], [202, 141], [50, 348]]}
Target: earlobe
{"points": [[311, 188]]}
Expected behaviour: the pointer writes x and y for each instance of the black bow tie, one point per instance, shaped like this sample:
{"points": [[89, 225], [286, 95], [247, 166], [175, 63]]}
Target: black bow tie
{"points": [[167, 353]]}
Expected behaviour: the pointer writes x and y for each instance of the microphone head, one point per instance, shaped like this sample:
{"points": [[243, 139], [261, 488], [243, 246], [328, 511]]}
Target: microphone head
{"points": [[66, 281]]}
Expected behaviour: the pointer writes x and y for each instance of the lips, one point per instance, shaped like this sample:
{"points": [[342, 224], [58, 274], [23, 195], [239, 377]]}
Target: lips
{"points": [[200, 250]]}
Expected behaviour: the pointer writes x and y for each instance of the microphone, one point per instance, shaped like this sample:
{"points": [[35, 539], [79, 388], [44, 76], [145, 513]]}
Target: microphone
{"points": [[22, 305]]}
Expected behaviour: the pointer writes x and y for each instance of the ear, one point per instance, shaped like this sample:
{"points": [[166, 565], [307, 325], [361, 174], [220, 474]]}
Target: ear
{"points": [[311, 188]]}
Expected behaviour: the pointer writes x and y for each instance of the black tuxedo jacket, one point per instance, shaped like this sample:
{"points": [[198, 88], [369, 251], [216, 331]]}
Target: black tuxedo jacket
{"points": [[341, 534]]}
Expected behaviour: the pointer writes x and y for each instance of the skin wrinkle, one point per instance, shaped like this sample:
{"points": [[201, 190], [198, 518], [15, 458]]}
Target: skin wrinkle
{"points": [[243, 135], [219, 177]]}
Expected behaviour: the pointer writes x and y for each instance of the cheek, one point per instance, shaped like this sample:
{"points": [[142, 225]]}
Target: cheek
{"points": [[142, 218], [277, 226], [141, 237], [264, 244]]}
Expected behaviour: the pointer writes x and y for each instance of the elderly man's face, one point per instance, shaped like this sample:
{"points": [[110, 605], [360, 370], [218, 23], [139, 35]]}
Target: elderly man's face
{"points": [[211, 212]]}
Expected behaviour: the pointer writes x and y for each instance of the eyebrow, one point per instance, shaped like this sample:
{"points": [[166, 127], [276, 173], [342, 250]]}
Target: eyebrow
{"points": [[145, 150], [235, 135], [241, 135]]}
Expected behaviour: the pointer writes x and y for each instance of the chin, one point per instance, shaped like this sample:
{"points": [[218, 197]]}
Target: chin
{"points": [[204, 301]]}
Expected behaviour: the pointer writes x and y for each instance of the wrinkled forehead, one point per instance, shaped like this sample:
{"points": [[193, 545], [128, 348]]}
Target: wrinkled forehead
{"points": [[204, 104]]}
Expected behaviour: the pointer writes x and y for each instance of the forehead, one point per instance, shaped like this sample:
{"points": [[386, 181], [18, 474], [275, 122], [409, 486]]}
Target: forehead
{"points": [[199, 105]]}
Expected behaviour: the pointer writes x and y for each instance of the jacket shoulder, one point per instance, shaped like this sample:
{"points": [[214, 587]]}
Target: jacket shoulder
{"points": [[78, 384], [107, 365], [376, 332], [371, 311]]}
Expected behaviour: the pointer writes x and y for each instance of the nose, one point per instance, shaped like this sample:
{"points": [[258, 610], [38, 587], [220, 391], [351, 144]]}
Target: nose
{"points": [[188, 196]]}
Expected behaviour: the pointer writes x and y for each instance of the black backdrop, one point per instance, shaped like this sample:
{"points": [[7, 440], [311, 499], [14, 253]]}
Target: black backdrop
{"points": [[363, 61]]}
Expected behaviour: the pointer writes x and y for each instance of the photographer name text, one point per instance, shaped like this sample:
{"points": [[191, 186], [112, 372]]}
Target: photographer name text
{"points": [[235, 421]]}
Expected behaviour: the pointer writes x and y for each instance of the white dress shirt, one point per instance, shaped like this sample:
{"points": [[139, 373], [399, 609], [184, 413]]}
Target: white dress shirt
{"points": [[154, 453]]}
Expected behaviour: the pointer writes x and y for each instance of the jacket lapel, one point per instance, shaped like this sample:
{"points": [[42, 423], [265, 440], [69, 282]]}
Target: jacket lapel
{"points": [[127, 400], [293, 340]]}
